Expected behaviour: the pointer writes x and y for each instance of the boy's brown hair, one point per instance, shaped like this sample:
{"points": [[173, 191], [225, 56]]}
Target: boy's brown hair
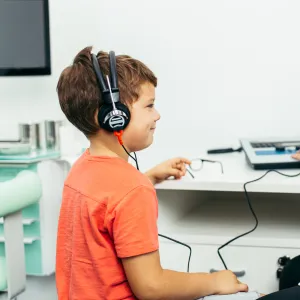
{"points": [[79, 94]]}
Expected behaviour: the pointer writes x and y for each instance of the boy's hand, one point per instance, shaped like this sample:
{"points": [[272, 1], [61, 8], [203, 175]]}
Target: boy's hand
{"points": [[296, 155], [172, 167], [226, 283]]}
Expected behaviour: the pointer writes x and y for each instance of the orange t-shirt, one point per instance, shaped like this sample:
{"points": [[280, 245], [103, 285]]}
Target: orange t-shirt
{"points": [[108, 212]]}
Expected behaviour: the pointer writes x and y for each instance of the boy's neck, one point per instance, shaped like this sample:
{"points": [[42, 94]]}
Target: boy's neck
{"points": [[105, 144]]}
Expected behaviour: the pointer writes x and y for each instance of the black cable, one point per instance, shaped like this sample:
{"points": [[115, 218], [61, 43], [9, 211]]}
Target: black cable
{"points": [[161, 235], [135, 159], [137, 165], [183, 244], [252, 210]]}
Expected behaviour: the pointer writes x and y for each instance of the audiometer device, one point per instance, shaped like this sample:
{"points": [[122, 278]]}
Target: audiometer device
{"points": [[271, 153]]}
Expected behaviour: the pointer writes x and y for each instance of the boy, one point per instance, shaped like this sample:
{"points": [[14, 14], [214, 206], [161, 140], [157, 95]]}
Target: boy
{"points": [[107, 244]]}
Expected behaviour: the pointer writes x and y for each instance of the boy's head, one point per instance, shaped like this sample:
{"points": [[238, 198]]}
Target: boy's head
{"points": [[80, 97]]}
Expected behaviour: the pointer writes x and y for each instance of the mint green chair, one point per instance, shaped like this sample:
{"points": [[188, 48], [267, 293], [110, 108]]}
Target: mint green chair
{"points": [[15, 194]]}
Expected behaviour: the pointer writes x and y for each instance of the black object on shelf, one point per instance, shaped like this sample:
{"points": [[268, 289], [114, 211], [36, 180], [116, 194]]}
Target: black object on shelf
{"points": [[224, 150]]}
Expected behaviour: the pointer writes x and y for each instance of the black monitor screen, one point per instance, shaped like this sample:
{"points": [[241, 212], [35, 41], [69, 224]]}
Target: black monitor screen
{"points": [[24, 37]]}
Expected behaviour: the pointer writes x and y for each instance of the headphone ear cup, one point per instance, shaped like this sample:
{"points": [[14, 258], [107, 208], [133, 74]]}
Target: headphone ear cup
{"points": [[122, 107], [104, 110], [107, 109]]}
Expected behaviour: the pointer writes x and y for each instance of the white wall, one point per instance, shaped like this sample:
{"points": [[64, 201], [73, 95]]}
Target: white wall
{"points": [[227, 69]]}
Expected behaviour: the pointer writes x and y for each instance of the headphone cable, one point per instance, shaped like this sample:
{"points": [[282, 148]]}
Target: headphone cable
{"points": [[180, 243], [251, 209], [118, 134]]}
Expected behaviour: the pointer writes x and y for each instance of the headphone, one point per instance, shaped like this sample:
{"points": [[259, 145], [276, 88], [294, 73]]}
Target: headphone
{"points": [[113, 115]]}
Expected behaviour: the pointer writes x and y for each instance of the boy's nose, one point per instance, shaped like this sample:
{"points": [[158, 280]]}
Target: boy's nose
{"points": [[158, 116]]}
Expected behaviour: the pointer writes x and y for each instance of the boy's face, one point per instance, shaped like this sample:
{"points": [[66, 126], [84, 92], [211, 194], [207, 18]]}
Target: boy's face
{"points": [[139, 133]]}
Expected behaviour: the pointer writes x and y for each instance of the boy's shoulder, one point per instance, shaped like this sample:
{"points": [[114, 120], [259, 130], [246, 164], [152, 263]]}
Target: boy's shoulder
{"points": [[99, 175]]}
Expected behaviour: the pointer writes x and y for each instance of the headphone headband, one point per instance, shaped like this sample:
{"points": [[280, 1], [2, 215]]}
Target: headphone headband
{"points": [[113, 71], [113, 79], [100, 79]]}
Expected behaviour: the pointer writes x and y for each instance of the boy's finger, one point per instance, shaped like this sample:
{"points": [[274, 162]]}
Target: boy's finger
{"points": [[181, 166], [182, 160], [243, 287], [175, 172]]}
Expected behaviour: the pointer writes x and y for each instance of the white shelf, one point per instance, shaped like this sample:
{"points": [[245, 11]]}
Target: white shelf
{"points": [[236, 173], [217, 221], [27, 240], [24, 221]]}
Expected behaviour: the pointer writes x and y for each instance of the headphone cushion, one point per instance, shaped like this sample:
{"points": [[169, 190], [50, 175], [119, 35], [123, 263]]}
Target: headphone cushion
{"points": [[105, 109]]}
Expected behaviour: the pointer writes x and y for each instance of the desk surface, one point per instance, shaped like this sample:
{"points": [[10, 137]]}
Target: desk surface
{"points": [[236, 172]]}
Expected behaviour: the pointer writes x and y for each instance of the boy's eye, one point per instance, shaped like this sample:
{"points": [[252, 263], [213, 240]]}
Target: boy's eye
{"points": [[150, 105]]}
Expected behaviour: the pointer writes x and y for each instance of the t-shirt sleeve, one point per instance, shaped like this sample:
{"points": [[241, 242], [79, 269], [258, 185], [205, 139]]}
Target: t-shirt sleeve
{"points": [[135, 223]]}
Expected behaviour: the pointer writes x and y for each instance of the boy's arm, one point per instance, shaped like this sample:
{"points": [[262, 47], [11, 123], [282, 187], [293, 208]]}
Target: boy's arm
{"points": [[135, 237], [148, 280]]}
